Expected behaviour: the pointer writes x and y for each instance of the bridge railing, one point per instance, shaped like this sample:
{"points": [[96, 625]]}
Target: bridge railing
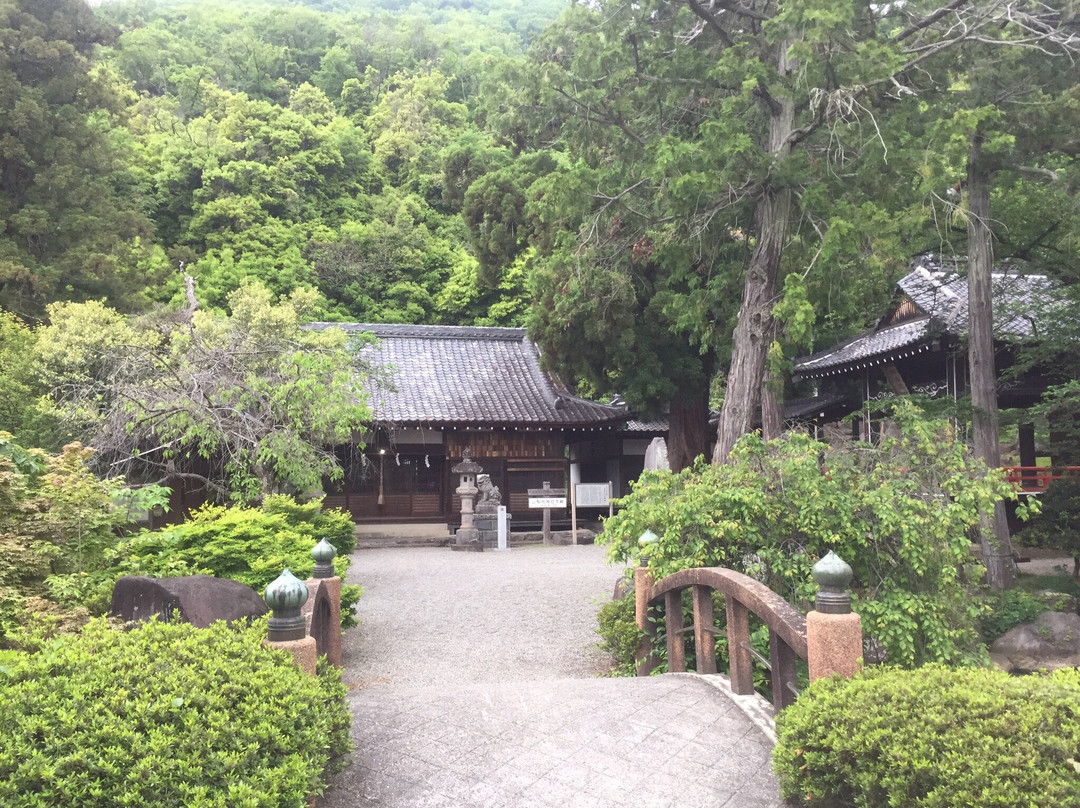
{"points": [[829, 639], [1036, 479]]}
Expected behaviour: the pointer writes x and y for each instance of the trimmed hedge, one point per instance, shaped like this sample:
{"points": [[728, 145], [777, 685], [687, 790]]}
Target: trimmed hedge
{"points": [[166, 715], [249, 545], [935, 737]]}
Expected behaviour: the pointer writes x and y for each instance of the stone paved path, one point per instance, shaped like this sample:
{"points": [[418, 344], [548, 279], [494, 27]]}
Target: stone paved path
{"points": [[473, 684]]}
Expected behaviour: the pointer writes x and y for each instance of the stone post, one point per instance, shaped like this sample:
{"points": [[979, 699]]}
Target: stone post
{"points": [[323, 608], [288, 629], [833, 631]]}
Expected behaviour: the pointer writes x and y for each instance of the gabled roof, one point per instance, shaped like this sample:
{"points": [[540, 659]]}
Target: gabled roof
{"points": [[930, 301], [461, 375]]}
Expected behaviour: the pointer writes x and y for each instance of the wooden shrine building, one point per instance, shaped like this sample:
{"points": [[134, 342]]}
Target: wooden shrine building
{"points": [[919, 346], [451, 390]]}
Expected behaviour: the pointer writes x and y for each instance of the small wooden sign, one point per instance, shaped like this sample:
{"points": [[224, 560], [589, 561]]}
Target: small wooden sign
{"points": [[547, 497]]}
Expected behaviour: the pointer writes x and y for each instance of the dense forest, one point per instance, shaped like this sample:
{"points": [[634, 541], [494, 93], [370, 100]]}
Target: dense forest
{"points": [[624, 178]]}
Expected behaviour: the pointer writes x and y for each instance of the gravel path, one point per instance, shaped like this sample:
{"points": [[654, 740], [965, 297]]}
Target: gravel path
{"points": [[429, 614], [473, 684]]}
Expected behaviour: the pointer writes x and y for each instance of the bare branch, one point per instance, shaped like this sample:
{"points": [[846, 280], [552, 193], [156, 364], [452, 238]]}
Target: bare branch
{"points": [[1044, 173], [711, 21], [608, 118], [929, 20]]}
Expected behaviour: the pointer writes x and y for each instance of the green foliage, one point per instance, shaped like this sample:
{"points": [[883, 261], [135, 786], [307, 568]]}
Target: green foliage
{"points": [[249, 545], [1057, 525], [621, 636], [70, 219], [167, 715], [934, 737], [1007, 609], [250, 402], [18, 411], [900, 514], [58, 523], [333, 525]]}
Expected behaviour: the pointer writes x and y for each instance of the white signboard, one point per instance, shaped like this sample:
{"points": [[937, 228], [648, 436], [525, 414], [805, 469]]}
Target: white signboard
{"points": [[593, 495], [547, 502]]}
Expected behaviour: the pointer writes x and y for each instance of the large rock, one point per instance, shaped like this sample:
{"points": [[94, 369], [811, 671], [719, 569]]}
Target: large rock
{"points": [[1051, 642], [199, 599]]}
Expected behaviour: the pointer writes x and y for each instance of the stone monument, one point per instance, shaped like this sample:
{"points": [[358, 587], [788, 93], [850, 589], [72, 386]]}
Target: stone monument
{"points": [[486, 520]]}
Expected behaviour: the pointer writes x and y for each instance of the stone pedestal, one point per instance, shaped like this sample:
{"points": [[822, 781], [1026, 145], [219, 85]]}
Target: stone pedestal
{"points": [[467, 535], [323, 614], [469, 545], [303, 652], [833, 644], [487, 527]]}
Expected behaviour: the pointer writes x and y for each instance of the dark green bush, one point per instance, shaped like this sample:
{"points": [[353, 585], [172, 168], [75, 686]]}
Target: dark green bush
{"points": [[934, 738], [1057, 525], [166, 715], [621, 636], [1007, 609]]}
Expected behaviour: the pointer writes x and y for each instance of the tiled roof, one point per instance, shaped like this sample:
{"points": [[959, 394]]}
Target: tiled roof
{"points": [[654, 425], [458, 375], [873, 343], [940, 298], [940, 291]]}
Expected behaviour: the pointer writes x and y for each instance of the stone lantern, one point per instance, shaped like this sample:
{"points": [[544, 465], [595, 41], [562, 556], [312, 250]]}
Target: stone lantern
{"points": [[467, 470], [285, 595]]}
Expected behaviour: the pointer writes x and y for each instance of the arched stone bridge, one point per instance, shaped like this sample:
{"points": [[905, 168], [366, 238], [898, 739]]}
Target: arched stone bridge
{"points": [[473, 682]]}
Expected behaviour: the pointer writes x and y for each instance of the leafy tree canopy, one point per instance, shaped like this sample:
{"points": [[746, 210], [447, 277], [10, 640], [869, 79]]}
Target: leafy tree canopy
{"points": [[247, 404]]}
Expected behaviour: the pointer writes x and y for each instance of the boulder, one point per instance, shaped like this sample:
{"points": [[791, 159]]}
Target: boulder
{"points": [[199, 599], [1051, 642]]}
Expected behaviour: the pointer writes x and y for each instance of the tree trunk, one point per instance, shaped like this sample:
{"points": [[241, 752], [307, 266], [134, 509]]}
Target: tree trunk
{"points": [[687, 425], [996, 544], [771, 409], [754, 328]]}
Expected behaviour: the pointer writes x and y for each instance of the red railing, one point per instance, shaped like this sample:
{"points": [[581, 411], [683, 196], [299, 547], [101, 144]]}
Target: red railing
{"points": [[1036, 479]]}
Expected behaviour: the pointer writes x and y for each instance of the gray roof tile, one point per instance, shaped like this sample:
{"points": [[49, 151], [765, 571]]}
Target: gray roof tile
{"points": [[940, 296], [446, 375]]}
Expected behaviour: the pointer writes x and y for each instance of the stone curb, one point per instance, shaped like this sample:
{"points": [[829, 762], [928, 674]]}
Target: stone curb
{"points": [[754, 707]]}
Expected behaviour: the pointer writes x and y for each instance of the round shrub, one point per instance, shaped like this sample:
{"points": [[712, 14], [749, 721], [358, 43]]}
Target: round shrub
{"points": [[332, 524], [166, 715], [934, 738]]}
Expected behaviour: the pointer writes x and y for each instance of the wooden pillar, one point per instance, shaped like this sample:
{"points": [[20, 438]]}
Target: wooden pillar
{"points": [[646, 658], [782, 660], [673, 624], [704, 641], [742, 663], [1026, 435]]}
